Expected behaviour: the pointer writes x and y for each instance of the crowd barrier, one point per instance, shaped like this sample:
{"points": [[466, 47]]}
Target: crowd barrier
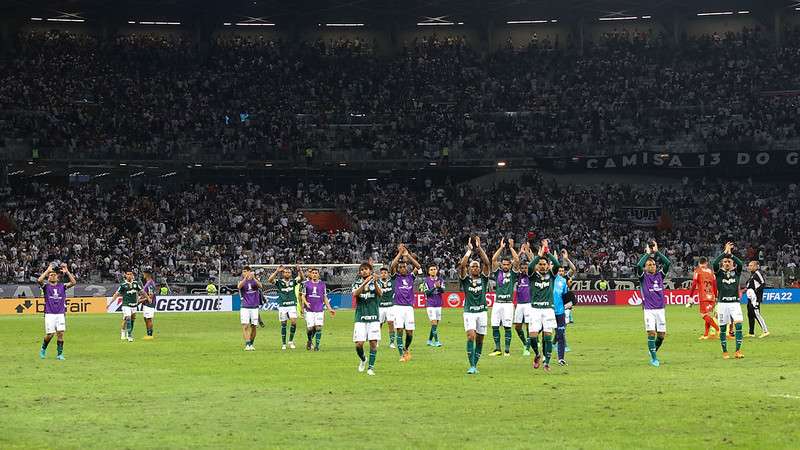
{"points": [[227, 303]]}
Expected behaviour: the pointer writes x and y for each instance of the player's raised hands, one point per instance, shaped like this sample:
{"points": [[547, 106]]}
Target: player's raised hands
{"points": [[654, 245], [502, 242], [511, 242], [469, 244], [477, 241], [564, 253]]}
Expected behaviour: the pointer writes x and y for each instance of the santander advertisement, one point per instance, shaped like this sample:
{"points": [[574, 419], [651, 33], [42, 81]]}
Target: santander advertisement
{"points": [[630, 297]]}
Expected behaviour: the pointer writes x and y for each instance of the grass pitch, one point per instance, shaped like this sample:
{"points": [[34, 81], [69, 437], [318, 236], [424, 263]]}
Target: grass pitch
{"points": [[194, 387]]}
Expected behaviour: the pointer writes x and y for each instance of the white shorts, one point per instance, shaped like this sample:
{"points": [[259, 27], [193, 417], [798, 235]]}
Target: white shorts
{"points": [[502, 314], [249, 316], [54, 322], [475, 322], [522, 313], [314, 319], [434, 312], [287, 312], [542, 319], [728, 313], [366, 331], [403, 317], [148, 312], [655, 320], [386, 314], [128, 311]]}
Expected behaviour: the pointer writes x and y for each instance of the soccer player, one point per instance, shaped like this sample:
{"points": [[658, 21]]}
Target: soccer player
{"points": [[367, 326], [505, 276], [567, 301], [704, 283], [542, 272], [652, 288], [755, 292], [132, 294], [523, 308], [250, 291], [433, 287], [55, 308], [386, 305], [475, 284], [728, 269], [314, 296], [287, 300], [149, 307], [560, 289], [403, 309]]}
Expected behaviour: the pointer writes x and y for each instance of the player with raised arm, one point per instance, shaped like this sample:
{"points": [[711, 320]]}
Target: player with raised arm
{"points": [[705, 285], [250, 291], [386, 303], [568, 300], [132, 294], [728, 269], [433, 287], [542, 272], [149, 306], [504, 275], [475, 284], [652, 288], [287, 300], [314, 296], [755, 293], [523, 309], [367, 326], [403, 309], [55, 308]]}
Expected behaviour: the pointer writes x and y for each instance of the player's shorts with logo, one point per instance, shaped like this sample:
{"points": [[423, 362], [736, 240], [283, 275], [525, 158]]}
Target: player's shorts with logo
{"points": [[148, 311], [502, 314], [729, 312], [248, 316], [542, 319], [475, 321], [434, 312], [54, 322], [706, 307], [404, 317], [287, 312], [315, 319], [522, 313], [655, 320], [128, 311], [386, 314], [366, 331]]}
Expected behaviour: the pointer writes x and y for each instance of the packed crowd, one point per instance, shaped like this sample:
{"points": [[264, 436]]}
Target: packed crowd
{"points": [[151, 97], [102, 230]]}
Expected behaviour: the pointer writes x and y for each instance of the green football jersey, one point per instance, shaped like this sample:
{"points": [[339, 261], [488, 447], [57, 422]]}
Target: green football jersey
{"points": [[504, 285], [728, 281], [475, 293], [387, 293], [287, 292], [542, 284], [130, 292], [366, 302]]}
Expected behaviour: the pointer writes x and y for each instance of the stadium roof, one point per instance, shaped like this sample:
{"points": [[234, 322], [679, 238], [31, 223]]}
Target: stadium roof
{"points": [[377, 12]]}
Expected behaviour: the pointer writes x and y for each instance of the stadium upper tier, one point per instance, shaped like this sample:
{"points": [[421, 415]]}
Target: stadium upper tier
{"points": [[145, 97], [102, 229]]}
